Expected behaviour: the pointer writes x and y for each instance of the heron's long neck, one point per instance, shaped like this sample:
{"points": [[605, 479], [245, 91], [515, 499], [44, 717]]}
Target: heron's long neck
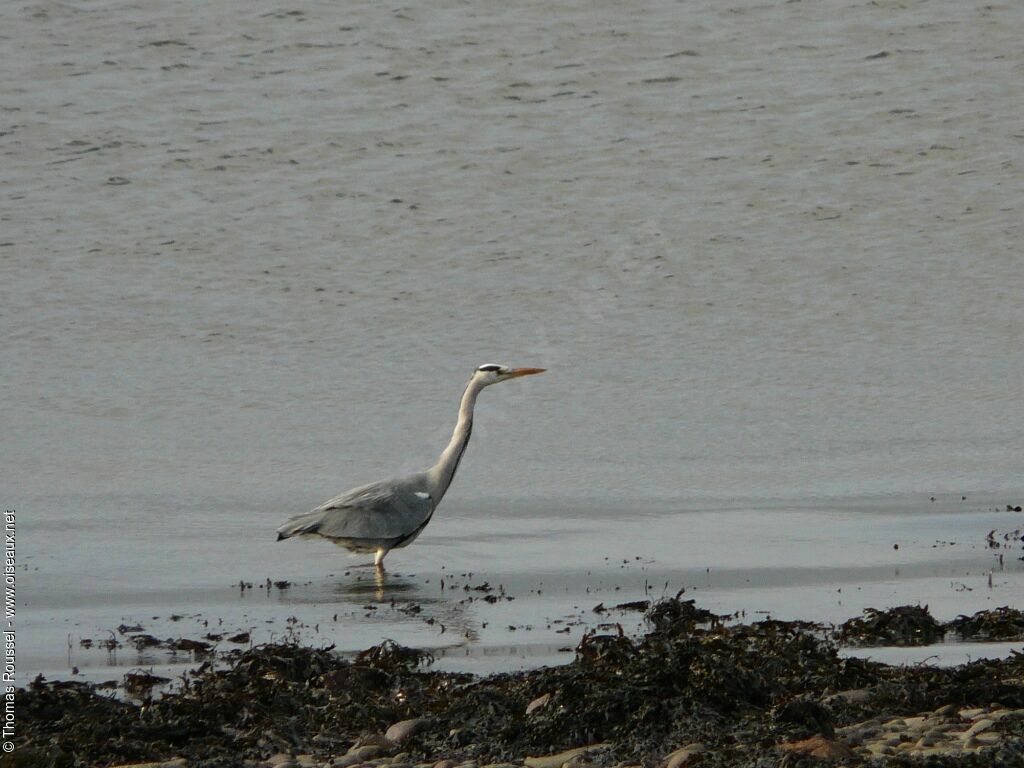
{"points": [[441, 474]]}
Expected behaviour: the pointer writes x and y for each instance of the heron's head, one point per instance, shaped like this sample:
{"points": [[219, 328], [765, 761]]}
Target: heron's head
{"points": [[492, 373]]}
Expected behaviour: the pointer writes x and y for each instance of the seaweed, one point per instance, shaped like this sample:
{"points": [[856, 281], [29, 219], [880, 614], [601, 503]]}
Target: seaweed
{"points": [[904, 625], [998, 624], [767, 694]]}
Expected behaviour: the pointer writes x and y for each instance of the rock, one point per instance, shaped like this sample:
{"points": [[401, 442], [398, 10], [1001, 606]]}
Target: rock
{"points": [[999, 714], [978, 727], [972, 714], [853, 696], [915, 723], [444, 764], [177, 762], [819, 746], [557, 761], [684, 756], [366, 751], [539, 702], [359, 753], [403, 729]]}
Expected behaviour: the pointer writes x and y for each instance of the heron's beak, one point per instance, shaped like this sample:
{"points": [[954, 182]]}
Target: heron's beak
{"points": [[524, 372]]}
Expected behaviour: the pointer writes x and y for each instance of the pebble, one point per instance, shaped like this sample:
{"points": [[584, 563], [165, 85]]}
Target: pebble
{"points": [[684, 756], [557, 761], [971, 714], [978, 727], [915, 723], [852, 696], [819, 746], [403, 729], [540, 701], [354, 757], [442, 764]]}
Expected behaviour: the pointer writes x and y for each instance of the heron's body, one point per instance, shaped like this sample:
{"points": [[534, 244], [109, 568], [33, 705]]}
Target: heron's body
{"points": [[390, 514]]}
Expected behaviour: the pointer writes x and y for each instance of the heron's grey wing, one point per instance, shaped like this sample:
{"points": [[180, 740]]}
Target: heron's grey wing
{"points": [[387, 510]]}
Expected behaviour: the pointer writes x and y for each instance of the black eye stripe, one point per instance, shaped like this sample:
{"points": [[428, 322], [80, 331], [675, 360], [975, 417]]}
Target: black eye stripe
{"points": [[489, 367]]}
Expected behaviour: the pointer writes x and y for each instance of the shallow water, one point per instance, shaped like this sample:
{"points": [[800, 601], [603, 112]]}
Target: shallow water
{"points": [[251, 254], [488, 591]]}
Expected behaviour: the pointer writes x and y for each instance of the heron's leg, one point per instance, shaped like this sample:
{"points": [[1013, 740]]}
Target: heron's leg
{"points": [[379, 559]]}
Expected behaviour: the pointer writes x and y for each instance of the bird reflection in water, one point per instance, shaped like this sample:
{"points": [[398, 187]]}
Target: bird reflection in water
{"points": [[405, 598]]}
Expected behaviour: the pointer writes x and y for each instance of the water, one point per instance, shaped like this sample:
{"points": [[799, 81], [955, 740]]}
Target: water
{"points": [[251, 255]]}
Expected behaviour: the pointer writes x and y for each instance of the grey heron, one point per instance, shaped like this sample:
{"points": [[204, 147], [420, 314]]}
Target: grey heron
{"points": [[390, 514]]}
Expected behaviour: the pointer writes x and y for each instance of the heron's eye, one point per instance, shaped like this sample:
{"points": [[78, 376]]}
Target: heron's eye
{"points": [[490, 367]]}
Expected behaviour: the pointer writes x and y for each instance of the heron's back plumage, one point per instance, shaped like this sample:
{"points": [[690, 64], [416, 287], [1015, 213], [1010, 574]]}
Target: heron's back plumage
{"points": [[383, 514]]}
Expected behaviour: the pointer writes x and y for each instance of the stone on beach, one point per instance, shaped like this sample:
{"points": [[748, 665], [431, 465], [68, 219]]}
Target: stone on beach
{"points": [[560, 759], [403, 729], [684, 756], [539, 702], [821, 747]]}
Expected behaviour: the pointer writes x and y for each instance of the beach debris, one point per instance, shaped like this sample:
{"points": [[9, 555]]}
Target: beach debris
{"points": [[198, 647], [635, 605], [144, 641], [997, 624], [905, 625], [674, 615], [142, 683], [737, 689], [392, 657]]}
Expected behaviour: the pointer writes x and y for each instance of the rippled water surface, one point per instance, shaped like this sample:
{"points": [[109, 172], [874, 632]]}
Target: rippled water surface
{"points": [[769, 253]]}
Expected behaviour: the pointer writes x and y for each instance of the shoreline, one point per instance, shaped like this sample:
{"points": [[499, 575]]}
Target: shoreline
{"points": [[692, 690], [513, 613]]}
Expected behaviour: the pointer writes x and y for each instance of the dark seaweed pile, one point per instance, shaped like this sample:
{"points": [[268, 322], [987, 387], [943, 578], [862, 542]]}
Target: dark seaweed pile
{"points": [[906, 625], [741, 690]]}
